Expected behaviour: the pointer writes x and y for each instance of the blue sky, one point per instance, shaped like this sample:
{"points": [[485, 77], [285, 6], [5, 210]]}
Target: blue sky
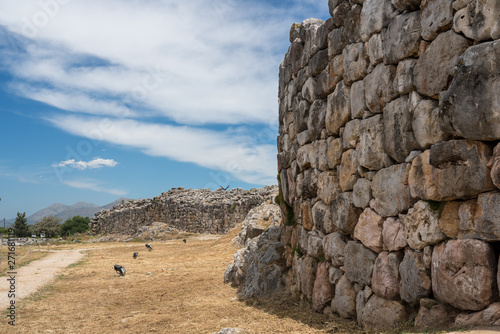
{"points": [[102, 99]]}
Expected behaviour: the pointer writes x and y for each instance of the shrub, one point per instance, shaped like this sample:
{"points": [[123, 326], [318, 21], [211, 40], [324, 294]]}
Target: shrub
{"points": [[76, 224]]}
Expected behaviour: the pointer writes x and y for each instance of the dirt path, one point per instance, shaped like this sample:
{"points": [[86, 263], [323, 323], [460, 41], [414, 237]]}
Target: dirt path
{"points": [[30, 278]]}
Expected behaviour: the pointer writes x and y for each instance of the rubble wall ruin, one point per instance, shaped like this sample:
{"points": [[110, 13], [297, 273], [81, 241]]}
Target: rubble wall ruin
{"points": [[389, 161]]}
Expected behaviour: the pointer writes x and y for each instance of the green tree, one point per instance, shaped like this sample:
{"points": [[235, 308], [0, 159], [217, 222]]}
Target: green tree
{"points": [[49, 226], [20, 227], [76, 224]]}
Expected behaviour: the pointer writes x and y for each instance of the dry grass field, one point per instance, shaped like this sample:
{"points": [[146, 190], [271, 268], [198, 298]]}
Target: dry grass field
{"points": [[23, 256], [89, 297]]}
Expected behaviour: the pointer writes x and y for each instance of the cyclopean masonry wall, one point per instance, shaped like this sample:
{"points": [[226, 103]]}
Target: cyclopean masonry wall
{"points": [[389, 161], [198, 210]]}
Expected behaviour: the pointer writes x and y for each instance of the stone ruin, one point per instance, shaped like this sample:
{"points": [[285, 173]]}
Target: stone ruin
{"points": [[197, 211], [389, 162]]}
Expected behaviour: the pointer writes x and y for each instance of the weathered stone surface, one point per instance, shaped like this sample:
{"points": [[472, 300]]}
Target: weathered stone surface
{"points": [[495, 166], [481, 219], [463, 274], [403, 82], [379, 87], [490, 316], [322, 290], [375, 15], [422, 226], [415, 277], [306, 215], [399, 140], [358, 263], [371, 153], [333, 247], [305, 155], [345, 214], [320, 148], [435, 66], [403, 5], [314, 244], [393, 234], [456, 169], [437, 16], [352, 24], [358, 105], [368, 230], [390, 190], [375, 49], [322, 217], [383, 314], [348, 170], [385, 279], [459, 4], [470, 107], [344, 302], [338, 111], [402, 38], [355, 62], [335, 275], [328, 186], [433, 314], [336, 70], [308, 268], [449, 220], [426, 125], [334, 153], [362, 193], [479, 20], [318, 62], [350, 138], [311, 41], [302, 115], [307, 184], [336, 42], [332, 4], [316, 119]]}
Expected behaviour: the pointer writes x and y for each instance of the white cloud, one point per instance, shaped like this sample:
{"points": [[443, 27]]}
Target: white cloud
{"points": [[95, 186], [82, 165]]}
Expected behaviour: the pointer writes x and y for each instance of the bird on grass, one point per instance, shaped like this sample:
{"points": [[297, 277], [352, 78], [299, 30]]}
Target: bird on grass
{"points": [[184, 240], [135, 255], [149, 247], [120, 269]]}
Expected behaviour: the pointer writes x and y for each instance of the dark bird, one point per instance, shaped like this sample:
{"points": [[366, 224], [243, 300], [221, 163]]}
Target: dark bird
{"points": [[135, 255], [222, 188], [184, 240], [120, 269], [149, 247]]}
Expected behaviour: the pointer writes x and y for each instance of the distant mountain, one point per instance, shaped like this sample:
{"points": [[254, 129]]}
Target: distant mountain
{"points": [[63, 211]]}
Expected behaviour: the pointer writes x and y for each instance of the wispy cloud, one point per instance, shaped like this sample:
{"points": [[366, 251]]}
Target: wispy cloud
{"points": [[82, 165], [95, 186]]}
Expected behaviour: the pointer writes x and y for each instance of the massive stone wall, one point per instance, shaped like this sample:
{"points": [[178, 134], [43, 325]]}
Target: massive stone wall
{"points": [[389, 119], [198, 210]]}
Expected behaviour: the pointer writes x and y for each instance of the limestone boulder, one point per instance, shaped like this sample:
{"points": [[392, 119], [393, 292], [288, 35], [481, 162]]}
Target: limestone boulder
{"points": [[402, 38], [322, 290], [302, 115], [328, 186], [355, 62], [318, 62], [316, 119], [322, 217], [348, 174], [385, 279], [358, 263], [345, 214], [435, 66], [403, 82], [383, 314], [336, 42], [368, 230], [399, 139], [338, 111], [362, 193], [314, 244], [371, 153], [415, 277], [379, 87], [391, 191], [449, 220], [403, 5], [480, 219], [358, 105], [437, 16], [479, 20], [344, 302], [334, 151], [308, 269], [305, 156], [312, 43], [470, 105], [426, 125], [375, 49], [375, 15], [350, 137], [463, 274], [490, 316], [306, 215], [333, 247], [422, 226], [393, 234], [495, 166], [433, 314]]}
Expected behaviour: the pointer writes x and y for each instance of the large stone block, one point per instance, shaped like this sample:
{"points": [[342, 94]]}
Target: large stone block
{"points": [[316, 119], [479, 20], [314, 244], [371, 153], [383, 314], [362, 193], [375, 15], [409, 5], [379, 87], [393, 234], [333, 247], [399, 140], [456, 169], [437, 16], [350, 137], [368, 230], [464, 274], [495, 166], [308, 268], [312, 43], [334, 152], [402, 38], [322, 290], [348, 170], [433, 314], [391, 191], [403, 82], [375, 49], [449, 221], [422, 226], [336, 42], [318, 62], [385, 279], [358, 105], [322, 217], [426, 124], [435, 66], [470, 107], [328, 186], [338, 111], [358, 263], [490, 316], [345, 214], [415, 277], [481, 219], [355, 63], [344, 302], [306, 214]]}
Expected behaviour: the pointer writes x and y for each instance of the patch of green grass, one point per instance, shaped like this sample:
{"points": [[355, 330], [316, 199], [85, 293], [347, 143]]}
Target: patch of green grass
{"points": [[436, 206], [289, 212]]}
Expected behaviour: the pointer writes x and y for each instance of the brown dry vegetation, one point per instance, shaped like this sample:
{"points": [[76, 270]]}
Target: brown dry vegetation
{"points": [[89, 297], [23, 256]]}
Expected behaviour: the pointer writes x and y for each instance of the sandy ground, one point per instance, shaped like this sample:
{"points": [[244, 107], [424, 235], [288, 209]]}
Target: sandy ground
{"points": [[30, 278]]}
